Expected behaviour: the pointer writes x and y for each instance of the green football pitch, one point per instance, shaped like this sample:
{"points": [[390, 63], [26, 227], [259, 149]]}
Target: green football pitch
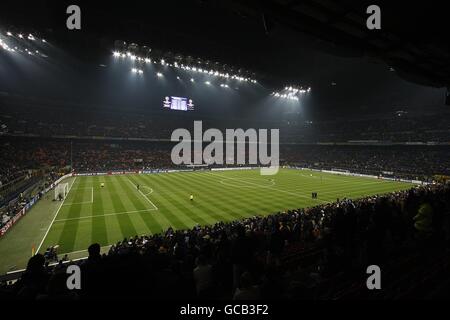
{"points": [[94, 214]]}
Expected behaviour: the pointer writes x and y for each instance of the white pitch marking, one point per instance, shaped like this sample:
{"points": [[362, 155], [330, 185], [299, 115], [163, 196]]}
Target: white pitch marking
{"points": [[156, 208], [56, 214], [271, 188], [104, 215], [84, 202]]}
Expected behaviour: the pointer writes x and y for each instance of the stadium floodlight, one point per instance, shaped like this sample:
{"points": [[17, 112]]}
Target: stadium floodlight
{"points": [[116, 54], [44, 41], [207, 83], [31, 37], [163, 62], [20, 36], [147, 60], [136, 70], [192, 80], [159, 74], [9, 33], [178, 77]]}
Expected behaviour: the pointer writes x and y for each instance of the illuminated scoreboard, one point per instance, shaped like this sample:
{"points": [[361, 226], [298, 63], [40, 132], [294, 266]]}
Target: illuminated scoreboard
{"points": [[178, 103]]}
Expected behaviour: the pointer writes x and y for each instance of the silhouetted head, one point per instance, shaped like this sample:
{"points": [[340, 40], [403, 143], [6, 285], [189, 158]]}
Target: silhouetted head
{"points": [[94, 250], [36, 263]]}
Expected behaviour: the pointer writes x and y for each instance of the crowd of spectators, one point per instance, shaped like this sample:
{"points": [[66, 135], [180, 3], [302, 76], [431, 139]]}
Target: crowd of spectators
{"points": [[249, 259], [412, 162], [32, 187], [19, 157], [409, 128], [46, 121], [22, 156]]}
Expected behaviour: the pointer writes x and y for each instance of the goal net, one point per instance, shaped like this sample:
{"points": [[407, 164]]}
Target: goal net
{"points": [[61, 191]]}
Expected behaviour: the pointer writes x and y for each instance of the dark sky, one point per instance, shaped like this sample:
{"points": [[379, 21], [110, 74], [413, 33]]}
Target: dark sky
{"points": [[212, 31]]}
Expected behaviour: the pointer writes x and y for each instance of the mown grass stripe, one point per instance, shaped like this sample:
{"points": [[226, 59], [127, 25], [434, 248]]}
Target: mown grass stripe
{"points": [[147, 218], [262, 204], [70, 229], [126, 226], [198, 213], [174, 220], [99, 231], [217, 199]]}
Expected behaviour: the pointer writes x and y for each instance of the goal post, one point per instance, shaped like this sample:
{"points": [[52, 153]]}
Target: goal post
{"points": [[61, 191]]}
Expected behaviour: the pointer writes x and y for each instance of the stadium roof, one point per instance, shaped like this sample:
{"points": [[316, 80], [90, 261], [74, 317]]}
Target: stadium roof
{"points": [[320, 44], [413, 40]]}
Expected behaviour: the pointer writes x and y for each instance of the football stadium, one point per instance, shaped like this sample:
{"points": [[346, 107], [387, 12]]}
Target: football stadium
{"points": [[224, 151]]}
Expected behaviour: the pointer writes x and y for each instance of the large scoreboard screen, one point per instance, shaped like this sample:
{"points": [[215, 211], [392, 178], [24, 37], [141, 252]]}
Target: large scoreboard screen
{"points": [[178, 103]]}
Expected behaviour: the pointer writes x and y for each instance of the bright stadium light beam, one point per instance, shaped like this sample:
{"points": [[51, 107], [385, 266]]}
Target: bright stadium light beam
{"points": [[9, 34], [159, 74], [192, 80], [136, 70], [116, 54], [207, 83]]}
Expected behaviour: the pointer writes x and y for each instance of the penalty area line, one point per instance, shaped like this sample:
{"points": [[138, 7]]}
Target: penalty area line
{"points": [[84, 202], [104, 215], [54, 218], [154, 206]]}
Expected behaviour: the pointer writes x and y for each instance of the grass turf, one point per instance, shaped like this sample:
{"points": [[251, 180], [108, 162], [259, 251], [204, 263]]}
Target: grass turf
{"points": [[106, 215]]}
